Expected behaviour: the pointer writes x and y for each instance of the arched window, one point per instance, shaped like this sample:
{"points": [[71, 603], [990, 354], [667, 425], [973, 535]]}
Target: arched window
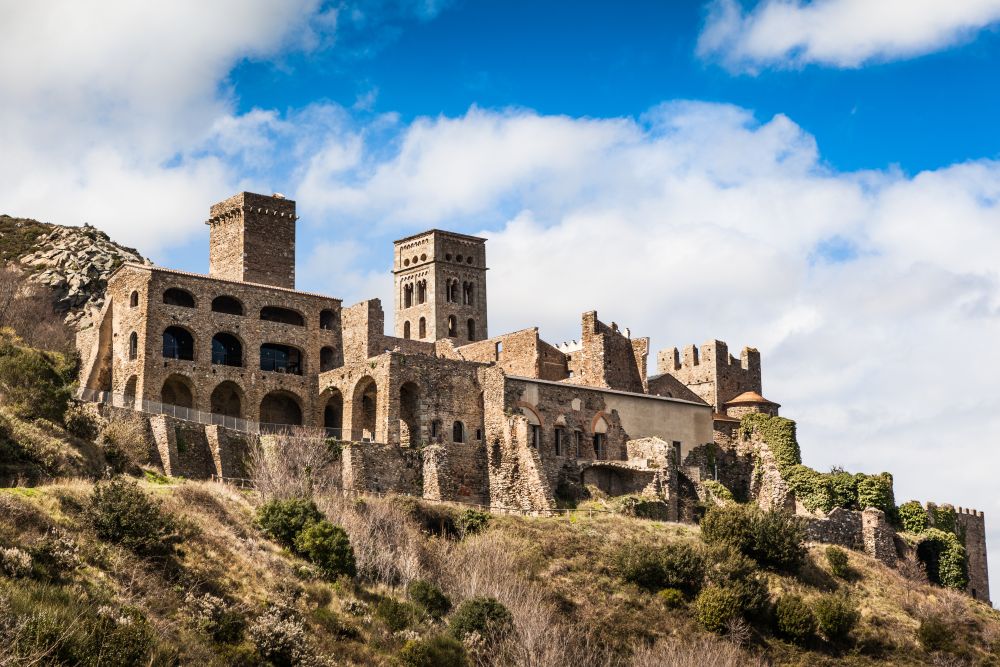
{"points": [[436, 430], [422, 291], [327, 359], [560, 441], [453, 291], [327, 320], [406, 330], [471, 325], [467, 290], [333, 415], [227, 400], [177, 390], [178, 343], [422, 328], [133, 346], [280, 408], [600, 439], [133, 299], [280, 358], [227, 350], [178, 297], [227, 304], [282, 315], [452, 326], [407, 295], [458, 432]]}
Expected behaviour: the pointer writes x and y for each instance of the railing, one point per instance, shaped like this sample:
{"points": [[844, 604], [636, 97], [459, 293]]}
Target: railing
{"points": [[131, 402]]}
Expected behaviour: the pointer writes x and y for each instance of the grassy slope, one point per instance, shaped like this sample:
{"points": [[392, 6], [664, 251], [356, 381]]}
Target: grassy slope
{"points": [[18, 236], [224, 554]]}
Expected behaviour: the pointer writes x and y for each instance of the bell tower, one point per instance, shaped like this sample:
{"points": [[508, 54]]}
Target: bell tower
{"points": [[440, 281]]}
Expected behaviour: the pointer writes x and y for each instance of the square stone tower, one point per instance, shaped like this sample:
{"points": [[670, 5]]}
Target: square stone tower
{"points": [[440, 280], [252, 239]]}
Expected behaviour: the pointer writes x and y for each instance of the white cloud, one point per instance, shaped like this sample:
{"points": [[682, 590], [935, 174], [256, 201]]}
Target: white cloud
{"points": [[697, 221], [838, 33]]}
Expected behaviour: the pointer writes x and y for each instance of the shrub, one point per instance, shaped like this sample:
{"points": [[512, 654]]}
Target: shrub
{"points": [[794, 619], [935, 633], [778, 433], [328, 547], [876, 491], [280, 637], [437, 651], [944, 558], [943, 518], [676, 565], [738, 574], [836, 616], [716, 607], [125, 441], [472, 521], [215, 618], [843, 488], [283, 520], [671, 598], [718, 491], [15, 563], [396, 615], [122, 513], [34, 383], [428, 597], [81, 422], [772, 538], [120, 637], [837, 559], [912, 517], [56, 555], [482, 615], [811, 488]]}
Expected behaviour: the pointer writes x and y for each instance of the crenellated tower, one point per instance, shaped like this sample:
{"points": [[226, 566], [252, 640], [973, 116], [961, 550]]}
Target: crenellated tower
{"points": [[252, 239]]}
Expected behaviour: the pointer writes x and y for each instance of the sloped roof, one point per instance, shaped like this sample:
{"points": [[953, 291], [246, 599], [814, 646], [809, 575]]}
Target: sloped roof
{"points": [[750, 397]]}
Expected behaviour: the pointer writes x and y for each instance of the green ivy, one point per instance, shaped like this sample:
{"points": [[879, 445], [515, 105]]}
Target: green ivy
{"points": [[811, 488], [876, 491], [912, 517], [778, 433], [944, 558], [943, 518], [718, 491]]}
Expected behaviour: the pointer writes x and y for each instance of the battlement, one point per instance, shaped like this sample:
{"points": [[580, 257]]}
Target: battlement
{"points": [[252, 239], [711, 371]]}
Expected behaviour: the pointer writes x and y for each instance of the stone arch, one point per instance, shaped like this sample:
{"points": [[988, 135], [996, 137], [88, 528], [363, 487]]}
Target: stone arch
{"points": [[534, 424], [229, 305], [178, 390], [282, 315], [599, 427], [175, 296], [327, 359], [421, 291], [281, 408], [280, 358], [422, 328], [327, 319], [133, 299], [407, 295], [133, 346], [471, 329], [409, 414], [178, 343], [406, 330], [227, 399], [227, 350], [531, 413], [131, 389], [364, 408], [600, 423], [458, 432], [333, 413]]}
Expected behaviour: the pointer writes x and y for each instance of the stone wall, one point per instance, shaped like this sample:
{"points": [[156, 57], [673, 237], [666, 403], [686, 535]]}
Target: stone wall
{"points": [[378, 468], [252, 239], [713, 374], [607, 358], [971, 526]]}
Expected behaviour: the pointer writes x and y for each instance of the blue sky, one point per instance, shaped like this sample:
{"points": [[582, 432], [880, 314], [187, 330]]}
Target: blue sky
{"points": [[819, 179]]}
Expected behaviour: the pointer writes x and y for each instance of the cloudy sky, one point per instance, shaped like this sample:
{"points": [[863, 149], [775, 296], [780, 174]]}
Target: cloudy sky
{"points": [[818, 179]]}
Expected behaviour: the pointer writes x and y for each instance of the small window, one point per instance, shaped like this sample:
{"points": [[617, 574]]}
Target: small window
{"points": [[133, 299], [327, 359], [452, 327], [282, 315], [436, 430], [599, 445], [178, 297], [407, 296], [677, 452], [534, 435], [406, 330], [471, 326], [577, 443], [422, 291], [422, 328], [133, 346], [479, 434], [499, 348], [228, 305], [327, 320], [458, 432], [560, 441]]}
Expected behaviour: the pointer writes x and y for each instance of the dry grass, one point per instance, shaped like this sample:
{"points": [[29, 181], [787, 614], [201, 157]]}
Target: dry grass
{"points": [[294, 465]]}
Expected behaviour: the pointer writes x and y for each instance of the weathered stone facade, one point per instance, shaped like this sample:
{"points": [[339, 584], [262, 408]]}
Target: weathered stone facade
{"points": [[440, 409]]}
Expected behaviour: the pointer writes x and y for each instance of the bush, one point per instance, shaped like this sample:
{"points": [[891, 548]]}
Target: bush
{"points": [[283, 520], [671, 598], [15, 563], [428, 597], [716, 607], [738, 574], [837, 558], [794, 619], [944, 558], [280, 638], [876, 491], [472, 521], [125, 441], [34, 383], [437, 651], [718, 491], [676, 565], [328, 547], [482, 615], [935, 633], [772, 538], [836, 616], [396, 615], [912, 517], [122, 513], [81, 422], [778, 433]]}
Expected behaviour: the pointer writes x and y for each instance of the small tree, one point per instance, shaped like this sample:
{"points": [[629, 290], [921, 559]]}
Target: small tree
{"points": [[122, 513], [837, 558], [484, 616], [836, 616], [283, 520], [795, 619], [328, 547], [428, 597]]}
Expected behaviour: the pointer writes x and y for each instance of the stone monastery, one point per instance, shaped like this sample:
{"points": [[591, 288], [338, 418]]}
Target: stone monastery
{"points": [[440, 409]]}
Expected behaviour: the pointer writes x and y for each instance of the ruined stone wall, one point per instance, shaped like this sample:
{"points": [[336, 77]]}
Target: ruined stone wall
{"points": [[252, 239], [515, 353], [378, 468], [607, 358], [713, 374], [971, 526]]}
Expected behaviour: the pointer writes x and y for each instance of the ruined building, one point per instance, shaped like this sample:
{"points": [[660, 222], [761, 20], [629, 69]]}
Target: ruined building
{"points": [[441, 408]]}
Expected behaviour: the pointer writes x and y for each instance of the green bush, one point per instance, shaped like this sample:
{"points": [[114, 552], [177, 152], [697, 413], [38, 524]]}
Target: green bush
{"points": [[437, 651], [837, 558], [731, 570], [843, 488], [876, 491], [943, 518], [836, 616], [671, 598], [395, 614], [34, 383], [813, 489], [912, 517], [772, 538], [120, 512], [676, 565], [935, 633], [716, 607], [472, 521], [944, 558], [328, 547], [81, 422], [283, 520], [718, 491], [778, 433], [482, 615], [794, 619], [428, 597]]}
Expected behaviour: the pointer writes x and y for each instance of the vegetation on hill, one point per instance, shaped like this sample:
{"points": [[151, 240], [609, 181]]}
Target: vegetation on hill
{"points": [[19, 235]]}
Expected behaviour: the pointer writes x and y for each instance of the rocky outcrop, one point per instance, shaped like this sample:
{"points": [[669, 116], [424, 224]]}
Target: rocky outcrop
{"points": [[75, 263]]}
